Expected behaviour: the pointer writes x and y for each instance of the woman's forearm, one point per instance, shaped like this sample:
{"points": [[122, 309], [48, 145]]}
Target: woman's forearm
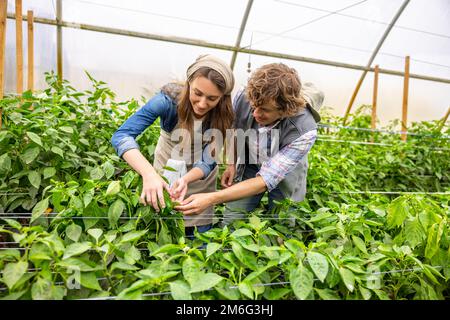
{"points": [[243, 189], [193, 175], [138, 162]]}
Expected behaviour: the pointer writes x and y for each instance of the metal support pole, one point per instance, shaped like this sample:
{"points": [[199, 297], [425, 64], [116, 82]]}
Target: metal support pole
{"points": [[3, 11], [374, 102], [30, 21], [59, 61], [405, 99], [375, 52], [241, 32], [19, 47], [444, 119]]}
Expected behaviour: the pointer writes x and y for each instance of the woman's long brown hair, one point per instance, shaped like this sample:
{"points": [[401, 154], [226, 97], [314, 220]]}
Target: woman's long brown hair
{"points": [[220, 117]]}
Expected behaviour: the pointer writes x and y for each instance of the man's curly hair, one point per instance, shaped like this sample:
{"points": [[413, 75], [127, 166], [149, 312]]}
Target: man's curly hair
{"points": [[278, 82]]}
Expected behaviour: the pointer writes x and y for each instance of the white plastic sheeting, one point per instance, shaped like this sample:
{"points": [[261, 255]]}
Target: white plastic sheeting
{"points": [[336, 30]]}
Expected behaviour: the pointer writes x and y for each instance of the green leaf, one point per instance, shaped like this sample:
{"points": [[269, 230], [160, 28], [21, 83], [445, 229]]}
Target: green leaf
{"points": [[359, 243], [40, 251], [414, 232], [133, 236], [35, 179], [191, 269], [327, 294], [5, 163], [84, 141], [205, 282], [79, 264], [113, 188], [318, 199], [58, 151], [255, 222], [89, 280], [318, 264], [49, 172], [302, 281], [87, 197], [365, 293], [41, 289], [132, 255], [66, 129], [397, 211], [212, 247], [13, 272], [167, 248], [109, 169], [13, 223], [348, 277], [30, 154], [247, 258], [95, 233], [76, 249], [35, 138], [434, 235], [246, 289], [73, 232], [241, 233], [123, 266], [39, 209], [197, 279], [179, 290], [114, 212], [3, 135], [96, 173], [15, 295], [227, 289]]}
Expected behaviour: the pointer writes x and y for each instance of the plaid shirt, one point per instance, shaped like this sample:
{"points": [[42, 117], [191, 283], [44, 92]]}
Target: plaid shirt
{"points": [[275, 169]]}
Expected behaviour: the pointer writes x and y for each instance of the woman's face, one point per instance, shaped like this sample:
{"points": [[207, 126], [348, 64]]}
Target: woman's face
{"points": [[203, 95]]}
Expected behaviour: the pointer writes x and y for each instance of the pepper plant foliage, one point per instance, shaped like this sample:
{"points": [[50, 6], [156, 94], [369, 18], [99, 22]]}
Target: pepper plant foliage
{"points": [[86, 235]]}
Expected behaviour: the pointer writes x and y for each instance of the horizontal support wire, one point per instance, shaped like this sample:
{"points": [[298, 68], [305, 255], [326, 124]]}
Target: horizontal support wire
{"points": [[373, 143], [393, 192], [393, 132]]}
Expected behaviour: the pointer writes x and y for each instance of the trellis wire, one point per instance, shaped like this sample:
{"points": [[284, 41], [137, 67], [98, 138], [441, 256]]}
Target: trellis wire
{"points": [[324, 125], [372, 143], [391, 192]]}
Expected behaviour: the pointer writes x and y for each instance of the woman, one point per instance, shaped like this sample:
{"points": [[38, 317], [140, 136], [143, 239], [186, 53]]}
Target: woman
{"points": [[205, 98]]}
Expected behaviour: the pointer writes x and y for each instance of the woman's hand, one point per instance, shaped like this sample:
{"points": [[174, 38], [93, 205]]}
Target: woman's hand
{"points": [[228, 176], [179, 189], [152, 191], [196, 203]]}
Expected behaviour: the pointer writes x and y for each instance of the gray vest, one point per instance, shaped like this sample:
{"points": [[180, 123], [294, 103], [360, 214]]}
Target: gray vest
{"points": [[293, 186]]}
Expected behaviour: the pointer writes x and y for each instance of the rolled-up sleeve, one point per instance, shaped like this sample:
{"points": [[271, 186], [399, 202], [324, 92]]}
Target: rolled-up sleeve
{"points": [[284, 161], [207, 163], [124, 138]]}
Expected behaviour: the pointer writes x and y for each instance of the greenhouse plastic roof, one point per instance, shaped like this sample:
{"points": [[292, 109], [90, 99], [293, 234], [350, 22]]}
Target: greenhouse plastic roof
{"points": [[341, 31]]}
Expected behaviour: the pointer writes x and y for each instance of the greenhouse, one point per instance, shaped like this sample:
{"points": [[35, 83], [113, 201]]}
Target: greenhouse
{"points": [[224, 150]]}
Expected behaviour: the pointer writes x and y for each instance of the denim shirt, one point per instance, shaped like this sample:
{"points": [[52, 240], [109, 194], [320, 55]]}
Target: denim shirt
{"points": [[163, 106]]}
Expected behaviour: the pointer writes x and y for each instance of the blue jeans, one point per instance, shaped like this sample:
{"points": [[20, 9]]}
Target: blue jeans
{"points": [[238, 209], [189, 231]]}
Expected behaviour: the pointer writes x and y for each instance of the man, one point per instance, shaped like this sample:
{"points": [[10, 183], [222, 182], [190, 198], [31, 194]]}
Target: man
{"points": [[274, 101]]}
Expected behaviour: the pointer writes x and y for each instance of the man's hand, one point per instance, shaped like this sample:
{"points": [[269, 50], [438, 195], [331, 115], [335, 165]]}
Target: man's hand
{"points": [[178, 190], [196, 203], [228, 176], [152, 191]]}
